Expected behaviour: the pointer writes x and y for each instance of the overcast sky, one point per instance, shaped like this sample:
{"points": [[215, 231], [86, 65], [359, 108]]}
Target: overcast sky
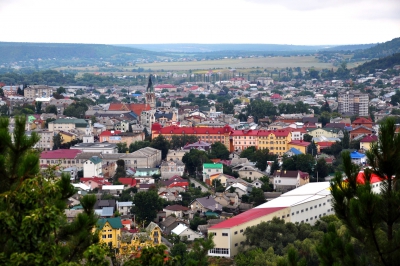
{"points": [[304, 22]]}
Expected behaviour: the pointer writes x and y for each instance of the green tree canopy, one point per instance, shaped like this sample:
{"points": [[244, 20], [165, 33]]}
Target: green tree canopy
{"points": [[372, 221], [219, 150], [160, 143], [137, 145], [147, 204], [34, 229]]}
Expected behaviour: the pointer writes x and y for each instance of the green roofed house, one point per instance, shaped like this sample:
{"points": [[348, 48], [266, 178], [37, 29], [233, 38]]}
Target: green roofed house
{"points": [[210, 169], [93, 167], [67, 124], [110, 231]]}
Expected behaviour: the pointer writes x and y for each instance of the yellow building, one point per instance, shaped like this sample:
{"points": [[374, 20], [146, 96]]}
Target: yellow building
{"points": [[67, 137], [110, 231], [301, 145], [277, 141], [132, 242]]}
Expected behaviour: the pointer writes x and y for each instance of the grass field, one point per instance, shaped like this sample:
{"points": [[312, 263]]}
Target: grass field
{"points": [[245, 63]]}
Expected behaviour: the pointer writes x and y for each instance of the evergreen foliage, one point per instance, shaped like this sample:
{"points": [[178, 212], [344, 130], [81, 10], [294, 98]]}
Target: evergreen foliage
{"points": [[33, 227]]}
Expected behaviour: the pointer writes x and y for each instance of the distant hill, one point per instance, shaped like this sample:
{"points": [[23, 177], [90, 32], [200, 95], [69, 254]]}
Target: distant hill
{"points": [[204, 48], [383, 63], [13, 51], [380, 50], [351, 47]]}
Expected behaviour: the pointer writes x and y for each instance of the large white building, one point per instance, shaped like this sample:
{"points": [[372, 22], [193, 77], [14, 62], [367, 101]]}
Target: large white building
{"points": [[305, 204]]}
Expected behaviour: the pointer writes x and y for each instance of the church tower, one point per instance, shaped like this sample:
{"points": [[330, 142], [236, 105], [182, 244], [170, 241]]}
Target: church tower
{"points": [[150, 95], [88, 138]]}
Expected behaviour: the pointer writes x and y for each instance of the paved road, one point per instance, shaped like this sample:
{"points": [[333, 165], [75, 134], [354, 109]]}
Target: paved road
{"points": [[198, 184]]}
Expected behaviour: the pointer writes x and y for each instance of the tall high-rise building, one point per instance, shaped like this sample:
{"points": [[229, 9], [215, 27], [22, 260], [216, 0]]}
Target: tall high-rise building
{"points": [[353, 103]]}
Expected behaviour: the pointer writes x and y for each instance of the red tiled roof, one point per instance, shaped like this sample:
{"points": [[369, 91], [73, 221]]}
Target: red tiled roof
{"points": [[190, 130], [276, 96], [361, 178], [300, 143], [137, 108], [127, 181], [362, 120], [372, 138], [164, 86], [279, 132], [244, 132], [60, 154], [108, 133], [325, 144], [245, 217], [98, 180]]}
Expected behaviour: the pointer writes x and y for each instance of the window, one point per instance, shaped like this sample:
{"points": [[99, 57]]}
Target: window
{"points": [[109, 235], [241, 230], [219, 251], [297, 212], [324, 203], [306, 209], [235, 232], [310, 208], [224, 234], [292, 213], [104, 236], [302, 210], [320, 205], [236, 244]]}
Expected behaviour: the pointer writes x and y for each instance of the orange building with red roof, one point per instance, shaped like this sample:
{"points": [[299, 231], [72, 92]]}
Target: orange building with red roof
{"points": [[206, 134]]}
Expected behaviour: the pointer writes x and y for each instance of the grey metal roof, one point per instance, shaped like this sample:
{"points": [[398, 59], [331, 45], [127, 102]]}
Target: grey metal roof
{"points": [[107, 211]]}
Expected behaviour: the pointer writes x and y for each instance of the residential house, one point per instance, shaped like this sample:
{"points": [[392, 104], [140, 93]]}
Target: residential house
{"points": [[284, 180], [93, 167], [250, 172], [94, 182], [175, 155], [46, 139], [185, 232], [221, 177], [129, 182], [300, 145], [365, 143], [177, 210], [175, 181], [171, 194], [169, 223], [210, 169], [205, 204], [362, 121], [110, 231], [171, 168], [361, 131], [124, 208], [67, 137], [115, 190]]}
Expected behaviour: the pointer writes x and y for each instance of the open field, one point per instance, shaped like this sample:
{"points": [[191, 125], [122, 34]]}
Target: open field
{"points": [[245, 63]]}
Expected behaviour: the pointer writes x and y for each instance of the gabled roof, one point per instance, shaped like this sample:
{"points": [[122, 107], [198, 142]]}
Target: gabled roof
{"points": [[300, 143], [190, 130], [115, 223], [129, 181], [212, 165], [95, 159], [245, 217], [286, 173], [295, 151], [60, 154], [176, 207], [362, 120], [372, 138]]}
